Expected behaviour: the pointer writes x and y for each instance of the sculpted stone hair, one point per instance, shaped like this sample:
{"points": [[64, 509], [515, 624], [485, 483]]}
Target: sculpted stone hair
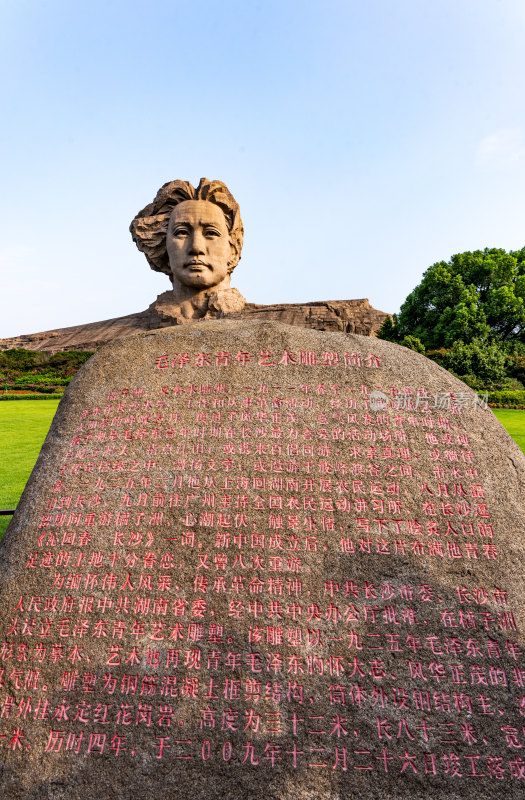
{"points": [[150, 226]]}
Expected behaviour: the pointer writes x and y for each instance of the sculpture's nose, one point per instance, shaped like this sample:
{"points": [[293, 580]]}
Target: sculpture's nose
{"points": [[197, 243]]}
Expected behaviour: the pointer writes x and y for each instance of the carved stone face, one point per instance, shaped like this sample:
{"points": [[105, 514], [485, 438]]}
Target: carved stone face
{"points": [[198, 245]]}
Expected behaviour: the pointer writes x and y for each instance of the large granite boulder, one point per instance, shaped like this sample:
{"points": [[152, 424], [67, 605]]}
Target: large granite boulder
{"points": [[259, 561]]}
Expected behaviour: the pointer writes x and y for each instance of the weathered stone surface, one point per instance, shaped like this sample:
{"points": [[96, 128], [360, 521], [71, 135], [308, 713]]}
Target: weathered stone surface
{"points": [[347, 316], [350, 316], [256, 561]]}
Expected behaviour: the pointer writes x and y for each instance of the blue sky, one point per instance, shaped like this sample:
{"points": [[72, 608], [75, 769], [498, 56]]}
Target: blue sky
{"points": [[364, 141]]}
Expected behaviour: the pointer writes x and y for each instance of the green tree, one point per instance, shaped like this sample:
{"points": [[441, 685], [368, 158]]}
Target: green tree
{"points": [[413, 343], [476, 295], [485, 360]]}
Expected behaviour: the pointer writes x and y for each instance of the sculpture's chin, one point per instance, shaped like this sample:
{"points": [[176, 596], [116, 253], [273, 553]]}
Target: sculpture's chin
{"points": [[198, 282]]}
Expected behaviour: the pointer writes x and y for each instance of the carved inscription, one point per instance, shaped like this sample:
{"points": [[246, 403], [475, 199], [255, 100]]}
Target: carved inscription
{"points": [[208, 556]]}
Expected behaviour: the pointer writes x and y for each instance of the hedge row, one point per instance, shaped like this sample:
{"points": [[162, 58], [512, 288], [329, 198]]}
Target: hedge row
{"points": [[514, 408], [514, 399], [47, 396]]}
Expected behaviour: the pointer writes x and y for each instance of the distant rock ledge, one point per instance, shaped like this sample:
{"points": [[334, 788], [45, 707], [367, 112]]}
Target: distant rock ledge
{"points": [[347, 316]]}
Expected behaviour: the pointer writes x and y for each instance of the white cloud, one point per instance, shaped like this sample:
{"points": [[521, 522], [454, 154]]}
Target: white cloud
{"points": [[503, 148]]}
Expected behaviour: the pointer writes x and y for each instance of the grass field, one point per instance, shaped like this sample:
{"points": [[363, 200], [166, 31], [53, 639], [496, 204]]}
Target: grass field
{"points": [[24, 424], [514, 422], [23, 428]]}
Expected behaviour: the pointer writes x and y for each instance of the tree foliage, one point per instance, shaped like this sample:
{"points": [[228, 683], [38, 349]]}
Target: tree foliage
{"points": [[485, 360], [413, 343], [476, 295]]}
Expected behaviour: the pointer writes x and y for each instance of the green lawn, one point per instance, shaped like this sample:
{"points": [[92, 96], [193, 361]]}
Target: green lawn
{"points": [[23, 428], [514, 422], [24, 424]]}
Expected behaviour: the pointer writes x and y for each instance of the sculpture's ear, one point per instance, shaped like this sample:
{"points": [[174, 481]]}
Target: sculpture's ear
{"points": [[234, 257]]}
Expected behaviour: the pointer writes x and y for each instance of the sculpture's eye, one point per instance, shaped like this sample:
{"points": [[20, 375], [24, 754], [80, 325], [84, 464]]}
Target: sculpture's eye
{"points": [[180, 231], [211, 233]]}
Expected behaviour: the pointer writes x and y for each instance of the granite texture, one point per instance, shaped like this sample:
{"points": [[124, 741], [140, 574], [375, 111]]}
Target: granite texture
{"points": [[259, 561]]}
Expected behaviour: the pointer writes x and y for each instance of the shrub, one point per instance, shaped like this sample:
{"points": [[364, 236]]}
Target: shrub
{"points": [[22, 369], [413, 343], [486, 360], [507, 399]]}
